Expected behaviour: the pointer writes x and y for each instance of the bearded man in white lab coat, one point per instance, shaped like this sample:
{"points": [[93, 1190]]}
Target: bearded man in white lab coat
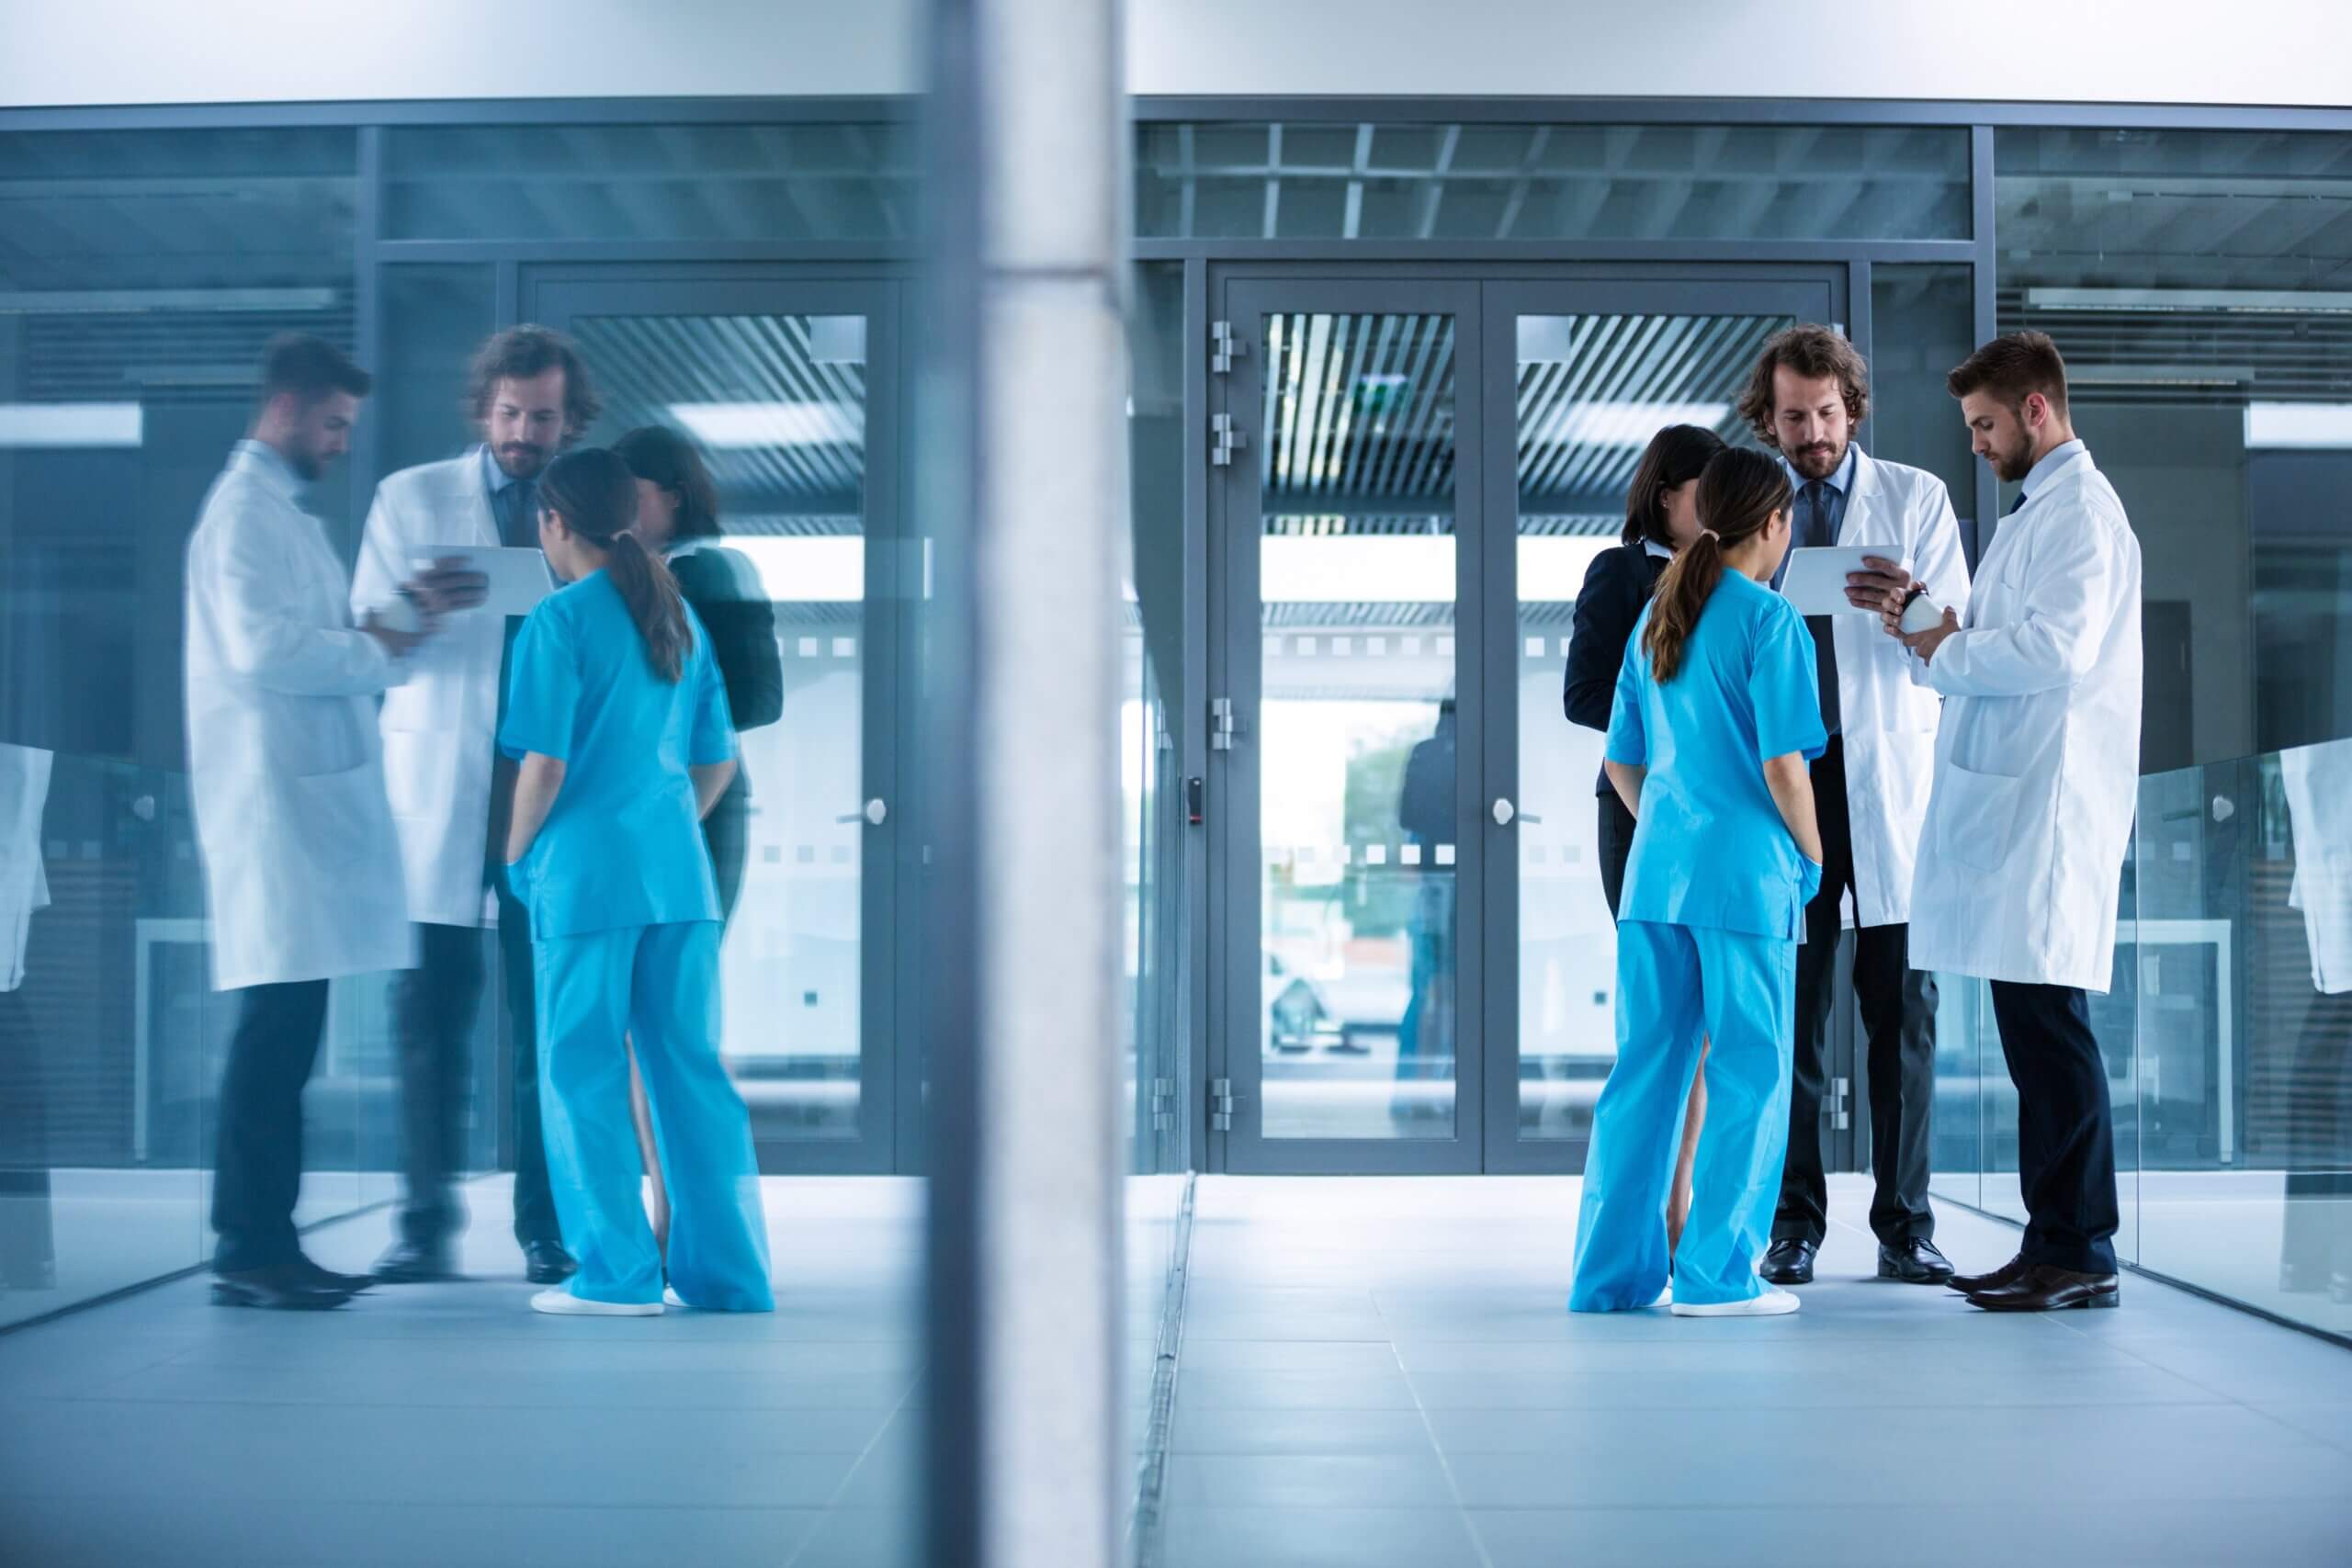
{"points": [[1807, 393], [2037, 776], [302, 872], [531, 397]]}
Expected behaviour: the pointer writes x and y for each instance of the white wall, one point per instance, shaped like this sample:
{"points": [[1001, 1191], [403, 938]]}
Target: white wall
{"points": [[125, 52]]}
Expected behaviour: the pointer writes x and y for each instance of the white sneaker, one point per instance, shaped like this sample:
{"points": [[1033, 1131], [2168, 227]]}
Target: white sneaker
{"points": [[669, 1296], [563, 1304], [1771, 1304], [1665, 1296]]}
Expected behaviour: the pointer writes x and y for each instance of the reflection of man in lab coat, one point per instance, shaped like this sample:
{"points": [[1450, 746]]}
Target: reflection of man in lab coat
{"points": [[2317, 1248], [27, 1252], [1425, 1033], [531, 398], [2037, 772], [301, 867]]}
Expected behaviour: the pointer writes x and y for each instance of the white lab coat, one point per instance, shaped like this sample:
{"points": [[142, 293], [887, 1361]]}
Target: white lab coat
{"points": [[302, 869], [24, 881], [439, 726], [2038, 764], [2318, 781], [1887, 722]]}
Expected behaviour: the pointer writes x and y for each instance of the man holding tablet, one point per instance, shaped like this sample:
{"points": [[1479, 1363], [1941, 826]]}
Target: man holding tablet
{"points": [[1808, 393]]}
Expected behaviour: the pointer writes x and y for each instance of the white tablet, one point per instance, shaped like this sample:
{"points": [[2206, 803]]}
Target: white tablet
{"points": [[519, 578], [1815, 580]]}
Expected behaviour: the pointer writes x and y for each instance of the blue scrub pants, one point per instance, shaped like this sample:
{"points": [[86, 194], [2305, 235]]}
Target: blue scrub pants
{"points": [[657, 984], [1677, 986]]}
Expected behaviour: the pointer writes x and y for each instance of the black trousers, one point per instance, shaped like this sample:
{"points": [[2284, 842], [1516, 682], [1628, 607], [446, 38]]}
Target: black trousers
{"points": [[727, 833], [433, 1015], [1898, 1010], [2065, 1127], [257, 1162], [1616, 843]]}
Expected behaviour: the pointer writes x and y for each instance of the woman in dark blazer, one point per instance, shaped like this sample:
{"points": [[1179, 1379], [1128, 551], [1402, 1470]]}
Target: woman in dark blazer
{"points": [[677, 518], [1661, 516]]}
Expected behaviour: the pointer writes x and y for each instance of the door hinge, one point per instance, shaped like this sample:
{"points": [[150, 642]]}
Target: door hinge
{"points": [[1221, 1105], [1224, 348], [1841, 1103], [1225, 440], [1221, 727], [1163, 1104]]}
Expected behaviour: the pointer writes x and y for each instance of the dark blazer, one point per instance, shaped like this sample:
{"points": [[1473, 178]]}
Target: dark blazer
{"points": [[724, 588], [1616, 587]]}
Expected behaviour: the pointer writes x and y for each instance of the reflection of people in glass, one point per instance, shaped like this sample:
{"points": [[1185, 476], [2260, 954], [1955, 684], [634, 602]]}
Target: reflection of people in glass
{"points": [[1425, 1034], [677, 518], [302, 864], [1661, 516], [618, 719], [530, 397], [28, 1254], [1715, 719], [2316, 1254]]}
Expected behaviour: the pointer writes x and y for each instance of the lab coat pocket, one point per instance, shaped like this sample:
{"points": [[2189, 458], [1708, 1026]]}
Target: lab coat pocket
{"points": [[333, 820], [421, 771], [1974, 816]]}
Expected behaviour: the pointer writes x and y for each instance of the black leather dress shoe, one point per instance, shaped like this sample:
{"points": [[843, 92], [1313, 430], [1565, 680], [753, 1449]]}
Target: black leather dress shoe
{"points": [[416, 1263], [2007, 1274], [1789, 1262], [1915, 1262], [349, 1284], [283, 1287], [546, 1263], [2043, 1288]]}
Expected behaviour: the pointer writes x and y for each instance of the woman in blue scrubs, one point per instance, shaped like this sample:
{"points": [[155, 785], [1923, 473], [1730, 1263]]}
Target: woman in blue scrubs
{"points": [[618, 714], [1716, 717]]}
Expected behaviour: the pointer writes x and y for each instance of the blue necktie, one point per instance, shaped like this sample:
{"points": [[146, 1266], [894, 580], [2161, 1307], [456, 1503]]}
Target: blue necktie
{"points": [[1817, 528]]}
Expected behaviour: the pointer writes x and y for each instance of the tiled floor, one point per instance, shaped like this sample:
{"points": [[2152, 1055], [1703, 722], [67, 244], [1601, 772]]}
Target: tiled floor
{"points": [[449, 1424], [1383, 1372]]}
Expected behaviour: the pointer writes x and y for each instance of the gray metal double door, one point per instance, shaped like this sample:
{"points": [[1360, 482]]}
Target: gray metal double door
{"points": [[1411, 965]]}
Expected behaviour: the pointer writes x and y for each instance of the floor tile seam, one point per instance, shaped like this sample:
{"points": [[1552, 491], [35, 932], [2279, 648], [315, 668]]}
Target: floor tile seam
{"points": [[849, 1476], [2342, 1445], [1444, 1462]]}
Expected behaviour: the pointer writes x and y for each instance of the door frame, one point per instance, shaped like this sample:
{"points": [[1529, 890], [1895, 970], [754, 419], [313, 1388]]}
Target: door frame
{"points": [[1491, 296], [1803, 292], [890, 1072]]}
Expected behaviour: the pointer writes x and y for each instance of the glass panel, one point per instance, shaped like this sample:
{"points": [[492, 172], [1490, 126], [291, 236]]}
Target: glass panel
{"points": [[140, 274], [1923, 321], [2196, 281], [847, 181], [1592, 390], [1356, 810], [777, 403], [1537, 182], [434, 317]]}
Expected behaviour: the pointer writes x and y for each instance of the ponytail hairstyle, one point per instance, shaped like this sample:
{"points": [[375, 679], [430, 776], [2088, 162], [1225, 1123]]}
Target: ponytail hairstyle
{"points": [[595, 495], [1738, 493]]}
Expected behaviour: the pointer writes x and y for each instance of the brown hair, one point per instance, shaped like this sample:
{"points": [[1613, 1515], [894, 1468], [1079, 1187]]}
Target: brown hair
{"points": [[308, 368], [1810, 352], [2012, 367], [1676, 455], [668, 460], [595, 493], [1737, 496], [520, 352]]}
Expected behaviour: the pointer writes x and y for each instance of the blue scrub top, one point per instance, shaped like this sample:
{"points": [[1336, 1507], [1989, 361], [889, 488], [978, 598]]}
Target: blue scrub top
{"points": [[1710, 848], [622, 845]]}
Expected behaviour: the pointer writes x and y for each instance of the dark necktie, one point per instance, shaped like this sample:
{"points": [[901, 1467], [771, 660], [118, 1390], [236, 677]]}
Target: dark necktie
{"points": [[2017, 503], [1816, 527], [518, 526]]}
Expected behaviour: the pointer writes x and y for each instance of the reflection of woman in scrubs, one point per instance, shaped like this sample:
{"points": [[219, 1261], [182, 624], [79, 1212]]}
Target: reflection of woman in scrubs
{"points": [[1661, 516], [1717, 715], [677, 519], [617, 712]]}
